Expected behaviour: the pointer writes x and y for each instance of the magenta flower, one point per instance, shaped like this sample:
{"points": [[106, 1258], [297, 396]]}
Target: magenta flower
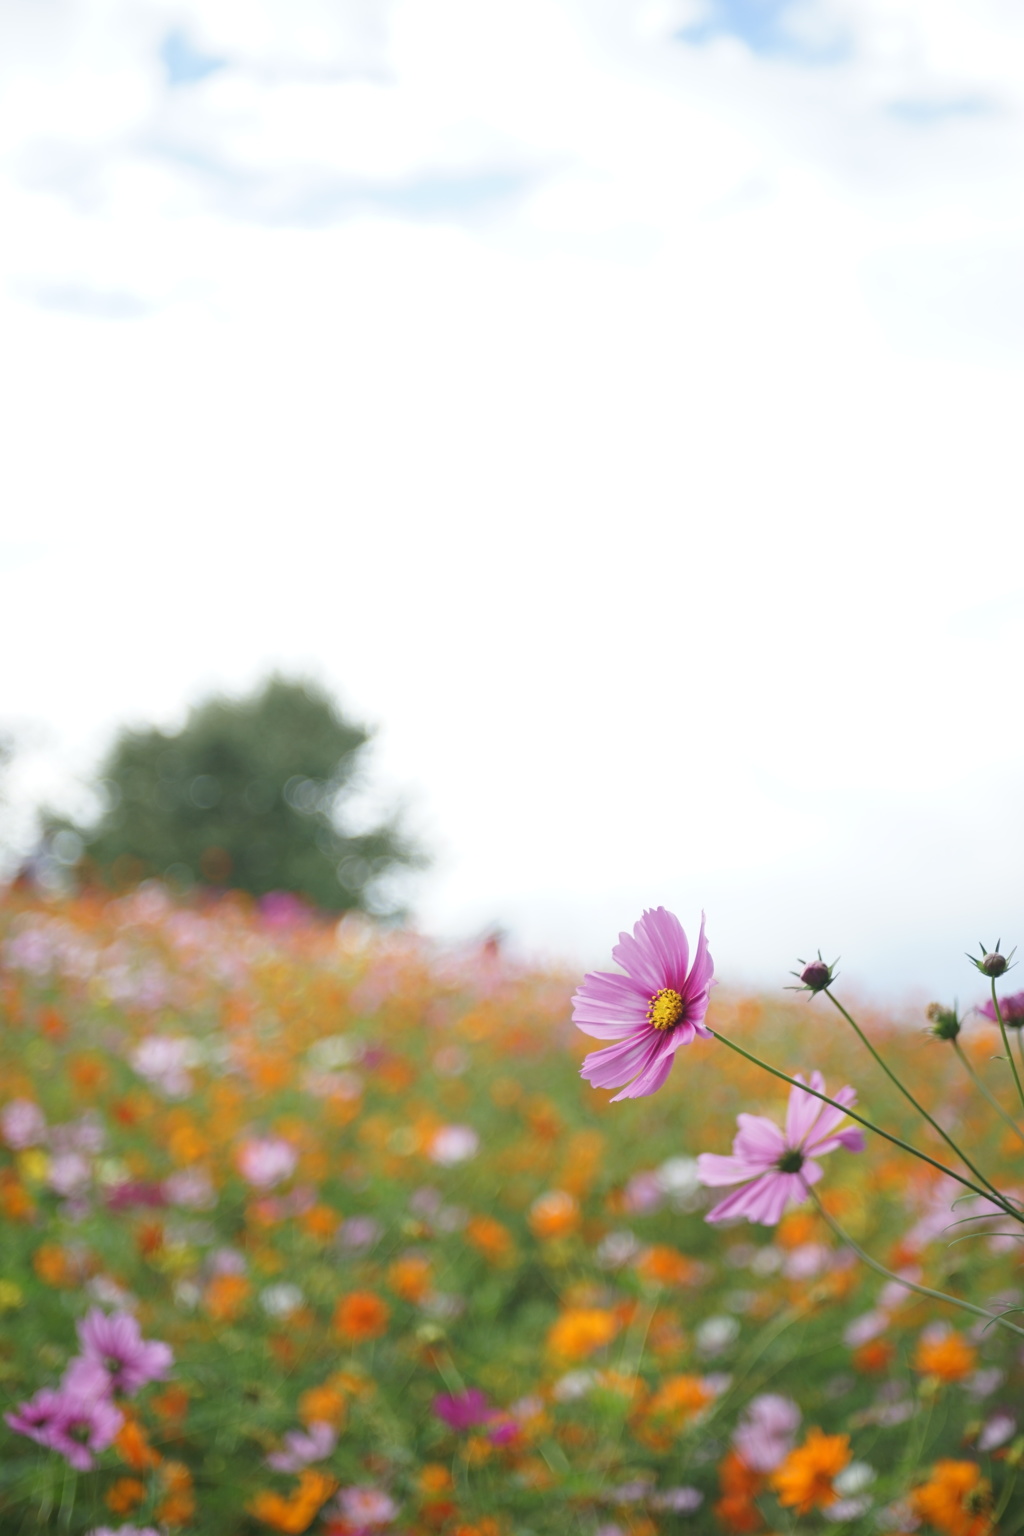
{"points": [[1011, 1008], [775, 1166], [464, 1410], [656, 1007], [74, 1424], [116, 1344]]}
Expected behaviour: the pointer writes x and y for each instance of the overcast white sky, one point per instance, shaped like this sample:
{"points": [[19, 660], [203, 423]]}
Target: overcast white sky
{"points": [[616, 401]]}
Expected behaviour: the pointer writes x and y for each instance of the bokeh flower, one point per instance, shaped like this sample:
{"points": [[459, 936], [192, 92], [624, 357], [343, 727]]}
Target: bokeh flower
{"points": [[115, 1343], [764, 1436], [265, 1161], [774, 1166], [655, 1007], [806, 1478], [956, 1499], [1011, 1007]]}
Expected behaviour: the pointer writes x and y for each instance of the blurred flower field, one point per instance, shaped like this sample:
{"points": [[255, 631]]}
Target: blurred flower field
{"points": [[355, 1250]]}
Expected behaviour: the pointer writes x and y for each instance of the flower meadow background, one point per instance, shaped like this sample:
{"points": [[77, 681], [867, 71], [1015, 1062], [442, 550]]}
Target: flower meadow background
{"points": [[365, 1253]]}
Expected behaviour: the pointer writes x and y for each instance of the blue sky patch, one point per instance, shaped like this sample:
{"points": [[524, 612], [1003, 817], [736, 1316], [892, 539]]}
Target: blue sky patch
{"points": [[761, 24], [927, 112], [184, 63]]}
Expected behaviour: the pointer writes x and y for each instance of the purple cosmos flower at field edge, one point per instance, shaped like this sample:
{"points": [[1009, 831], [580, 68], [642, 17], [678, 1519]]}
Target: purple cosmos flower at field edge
{"points": [[772, 1165], [1011, 1007], [655, 1007]]}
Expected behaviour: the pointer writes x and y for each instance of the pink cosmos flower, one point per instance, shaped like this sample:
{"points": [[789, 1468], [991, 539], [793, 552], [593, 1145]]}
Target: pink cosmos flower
{"points": [[76, 1425], [366, 1508], [775, 1166], [115, 1343], [22, 1124], [264, 1161], [657, 1006], [766, 1433], [302, 1449]]}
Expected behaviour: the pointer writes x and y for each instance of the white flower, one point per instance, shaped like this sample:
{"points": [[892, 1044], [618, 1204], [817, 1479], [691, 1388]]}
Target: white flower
{"points": [[453, 1144]]}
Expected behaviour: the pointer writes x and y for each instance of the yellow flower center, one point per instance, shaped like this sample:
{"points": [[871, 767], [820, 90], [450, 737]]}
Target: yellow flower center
{"points": [[665, 1009]]}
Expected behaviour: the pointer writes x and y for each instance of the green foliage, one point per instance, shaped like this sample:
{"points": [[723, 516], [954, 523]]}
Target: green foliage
{"points": [[250, 793]]}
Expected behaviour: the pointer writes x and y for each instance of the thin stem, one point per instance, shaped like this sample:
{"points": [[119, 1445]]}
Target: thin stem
{"points": [[922, 1290], [910, 1097], [896, 1140], [1006, 1044], [979, 1084]]}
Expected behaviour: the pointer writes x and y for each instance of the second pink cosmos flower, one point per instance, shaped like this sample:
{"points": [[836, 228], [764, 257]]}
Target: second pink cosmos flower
{"points": [[655, 1007]]}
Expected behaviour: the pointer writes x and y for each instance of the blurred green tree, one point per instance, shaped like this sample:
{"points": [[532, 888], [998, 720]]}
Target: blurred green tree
{"points": [[250, 794]]}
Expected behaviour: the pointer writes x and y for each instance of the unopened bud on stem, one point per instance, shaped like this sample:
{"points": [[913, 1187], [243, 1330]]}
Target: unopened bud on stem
{"points": [[944, 1022], [815, 975]]}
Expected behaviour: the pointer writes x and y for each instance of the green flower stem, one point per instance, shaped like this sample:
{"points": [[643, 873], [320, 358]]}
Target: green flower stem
{"points": [[896, 1140], [922, 1290], [976, 1080], [1006, 1044], [911, 1100]]}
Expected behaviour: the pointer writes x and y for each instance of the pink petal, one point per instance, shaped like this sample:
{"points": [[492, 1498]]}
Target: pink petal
{"points": [[651, 1078], [640, 959], [736, 1204], [616, 1064], [803, 1110], [699, 979], [663, 935], [830, 1118], [714, 1170], [758, 1139]]}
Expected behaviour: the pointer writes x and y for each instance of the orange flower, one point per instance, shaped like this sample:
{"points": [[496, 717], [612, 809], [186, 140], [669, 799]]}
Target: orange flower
{"points": [[668, 1411], [795, 1229], [490, 1238], [361, 1315], [554, 1214], [225, 1297], [133, 1447], [662, 1265], [435, 1478], [956, 1499], [187, 1144], [804, 1481], [179, 1505], [320, 1223], [874, 1356], [580, 1331], [171, 1405], [740, 1486], [53, 1265], [409, 1277], [125, 1495], [325, 1405], [946, 1356], [15, 1201], [295, 1514]]}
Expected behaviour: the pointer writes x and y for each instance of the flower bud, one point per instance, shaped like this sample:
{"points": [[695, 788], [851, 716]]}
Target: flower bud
{"points": [[815, 975], [944, 1022], [992, 963]]}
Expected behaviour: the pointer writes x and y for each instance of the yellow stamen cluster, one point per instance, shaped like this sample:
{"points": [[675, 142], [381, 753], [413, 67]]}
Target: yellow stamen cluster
{"points": [[665, 1009]]}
